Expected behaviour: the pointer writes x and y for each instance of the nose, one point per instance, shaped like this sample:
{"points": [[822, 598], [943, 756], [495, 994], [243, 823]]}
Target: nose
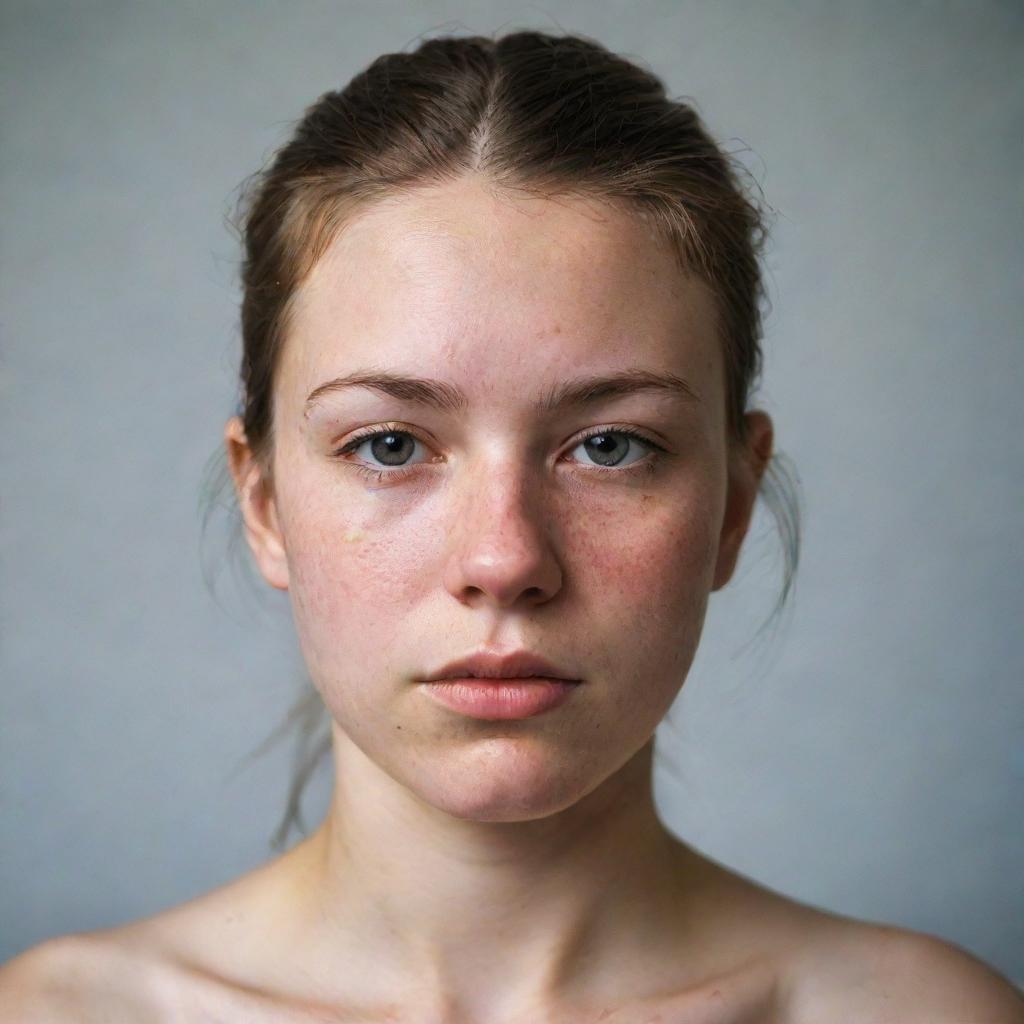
{"points": [[500, 551]]}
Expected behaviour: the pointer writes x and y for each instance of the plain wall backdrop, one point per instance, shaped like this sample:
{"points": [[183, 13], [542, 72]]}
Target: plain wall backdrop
{"points": [[867, 757]]}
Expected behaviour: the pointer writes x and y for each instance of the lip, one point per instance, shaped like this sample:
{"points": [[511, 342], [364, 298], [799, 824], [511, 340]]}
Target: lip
{"points": [[501, 685], [494, 665], [501, 699]]}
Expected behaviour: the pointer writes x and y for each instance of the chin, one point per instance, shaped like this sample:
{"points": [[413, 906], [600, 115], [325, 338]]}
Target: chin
{"points": [[504, 785]]}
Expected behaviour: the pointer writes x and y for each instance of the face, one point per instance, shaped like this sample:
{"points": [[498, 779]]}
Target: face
{"points": [[587, 531]]}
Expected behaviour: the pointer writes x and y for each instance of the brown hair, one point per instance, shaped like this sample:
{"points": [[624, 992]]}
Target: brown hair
{"points": [[530, 111]]}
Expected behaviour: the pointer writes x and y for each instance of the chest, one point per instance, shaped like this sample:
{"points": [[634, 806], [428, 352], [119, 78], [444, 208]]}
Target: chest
{"points": [[748, 996]]}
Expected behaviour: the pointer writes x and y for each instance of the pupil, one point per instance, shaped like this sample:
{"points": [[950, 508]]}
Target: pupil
{"points": [[388, 448], [605, 455]]}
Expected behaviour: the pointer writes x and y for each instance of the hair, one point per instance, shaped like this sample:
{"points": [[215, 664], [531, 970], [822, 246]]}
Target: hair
{"points": [[549, 115]]}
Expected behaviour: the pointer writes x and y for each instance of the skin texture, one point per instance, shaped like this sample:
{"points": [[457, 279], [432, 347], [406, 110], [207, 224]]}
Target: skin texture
{"points": [[499, 872], [486, 857]]}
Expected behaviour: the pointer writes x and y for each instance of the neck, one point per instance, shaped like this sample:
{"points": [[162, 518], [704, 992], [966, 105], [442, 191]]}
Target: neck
{"points": [[490, 919]]}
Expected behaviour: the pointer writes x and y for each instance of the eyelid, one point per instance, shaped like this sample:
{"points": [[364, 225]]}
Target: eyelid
{"points": [[396, 428], [632, 432], [365, 433]]}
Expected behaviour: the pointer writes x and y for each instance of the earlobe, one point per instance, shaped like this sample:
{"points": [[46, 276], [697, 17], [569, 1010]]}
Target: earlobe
{"points": [[746, 468], [257, 505]]}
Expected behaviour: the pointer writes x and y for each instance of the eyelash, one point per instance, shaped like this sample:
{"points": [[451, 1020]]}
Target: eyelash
{"points": [[646, 465]]}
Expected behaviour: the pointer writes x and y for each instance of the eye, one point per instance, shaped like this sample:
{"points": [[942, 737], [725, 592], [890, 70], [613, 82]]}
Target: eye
{"points": [[610, 447], [388, 448]]}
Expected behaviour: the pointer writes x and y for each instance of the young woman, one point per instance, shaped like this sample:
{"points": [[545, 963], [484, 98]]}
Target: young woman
{"points": [[501, 325]]}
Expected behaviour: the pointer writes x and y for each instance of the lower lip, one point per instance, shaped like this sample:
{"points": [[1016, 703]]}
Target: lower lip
{"points": [[502, 698]]}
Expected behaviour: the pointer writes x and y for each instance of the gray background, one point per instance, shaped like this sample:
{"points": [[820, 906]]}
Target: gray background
{"points": [[867, 757]]}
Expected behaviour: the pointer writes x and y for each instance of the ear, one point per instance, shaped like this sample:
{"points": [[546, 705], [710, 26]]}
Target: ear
{"points": [[746, 468], [256, 502]]}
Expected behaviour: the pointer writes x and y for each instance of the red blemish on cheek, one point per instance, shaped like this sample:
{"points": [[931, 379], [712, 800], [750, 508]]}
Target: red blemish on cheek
{"points": [[621, 557], [663, 556]]}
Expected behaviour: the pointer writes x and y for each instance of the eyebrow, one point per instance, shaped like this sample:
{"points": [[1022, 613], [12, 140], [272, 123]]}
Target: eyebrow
{"points": [[445, 397]]}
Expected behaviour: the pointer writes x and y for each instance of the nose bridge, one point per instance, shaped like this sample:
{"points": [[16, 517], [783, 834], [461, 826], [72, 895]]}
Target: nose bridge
{"points": [[500, 547]]}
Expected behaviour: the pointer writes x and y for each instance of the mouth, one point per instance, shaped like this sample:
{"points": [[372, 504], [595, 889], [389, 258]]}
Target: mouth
{"points": [[501, 685]]}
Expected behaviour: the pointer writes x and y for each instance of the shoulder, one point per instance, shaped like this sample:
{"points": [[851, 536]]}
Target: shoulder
{"points": [[181, 963], [862, 972], [82, 977]]}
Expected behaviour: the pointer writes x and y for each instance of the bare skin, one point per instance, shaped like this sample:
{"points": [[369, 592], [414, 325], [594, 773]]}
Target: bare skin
{"points": [[493, 872], [767, 960]]}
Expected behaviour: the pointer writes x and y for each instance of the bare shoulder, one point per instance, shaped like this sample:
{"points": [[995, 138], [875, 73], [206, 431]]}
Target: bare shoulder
{"points": [[184, 962], [83, 977], [865, 973]]}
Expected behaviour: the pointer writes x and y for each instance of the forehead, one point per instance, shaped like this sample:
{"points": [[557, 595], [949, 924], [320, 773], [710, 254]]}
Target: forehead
{"points": [[457, 271]]}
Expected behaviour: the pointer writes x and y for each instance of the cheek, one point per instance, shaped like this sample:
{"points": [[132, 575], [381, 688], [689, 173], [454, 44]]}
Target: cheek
{"points": [[353, 577], [653, 551], [366, 579], [643, 573]]}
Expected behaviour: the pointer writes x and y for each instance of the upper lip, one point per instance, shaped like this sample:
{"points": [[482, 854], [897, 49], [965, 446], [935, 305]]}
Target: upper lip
{"points": [[489, 665]]}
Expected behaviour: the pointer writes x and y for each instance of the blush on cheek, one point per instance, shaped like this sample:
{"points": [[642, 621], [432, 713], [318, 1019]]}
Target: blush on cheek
{"points": [[659, 545]]}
